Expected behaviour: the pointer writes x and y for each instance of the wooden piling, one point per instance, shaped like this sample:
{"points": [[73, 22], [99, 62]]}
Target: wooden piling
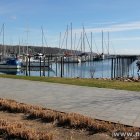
{"points": [[29, 64], [56, 66], [61, 67], [26, 65], [40, 66], [48, 65], [112, 68], [44, 66]]}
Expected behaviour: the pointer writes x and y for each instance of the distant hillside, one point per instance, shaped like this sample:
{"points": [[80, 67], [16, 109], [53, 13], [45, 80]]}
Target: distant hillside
{"points": [[32, 49], [10, 49]]}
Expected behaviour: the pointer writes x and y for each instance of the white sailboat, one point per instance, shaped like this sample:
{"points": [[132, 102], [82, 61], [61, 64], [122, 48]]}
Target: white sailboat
{"points": [[36, 61]]}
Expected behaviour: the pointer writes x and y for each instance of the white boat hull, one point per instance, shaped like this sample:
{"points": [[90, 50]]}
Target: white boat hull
{"points": [[35, 64], [70, 60]]}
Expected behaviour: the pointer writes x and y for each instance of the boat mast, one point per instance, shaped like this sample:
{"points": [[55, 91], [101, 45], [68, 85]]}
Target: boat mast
{"points": [[74, 44], [42, 40], [102, 45], [81, 42], [4, 51], [19, 47], [60, 41], [27, 51], [83, 39], [71, 38], [23, 46], [67, 38], [91, 42], [108, 43], [102, 42]]}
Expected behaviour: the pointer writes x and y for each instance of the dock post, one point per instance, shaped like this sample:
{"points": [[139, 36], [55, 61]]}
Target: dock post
{"points": [[63, 64], [123, 63], [133, 67], [48, 65], [128, 62], [56, 66], [40, 66], [26, 65], [117, 69], [29, 64], [112, 68], [61, 67], [44, 67]]}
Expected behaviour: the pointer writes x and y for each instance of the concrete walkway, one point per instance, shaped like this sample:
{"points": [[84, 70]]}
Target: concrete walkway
{"points": [[105, 104]]}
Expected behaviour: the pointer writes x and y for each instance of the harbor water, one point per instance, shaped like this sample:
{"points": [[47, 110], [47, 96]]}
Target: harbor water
{"points": [[91, 69]]}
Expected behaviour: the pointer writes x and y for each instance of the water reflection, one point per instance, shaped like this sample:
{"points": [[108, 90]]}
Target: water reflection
{"points": [[94, 69], [97, 69], [11, 71]]}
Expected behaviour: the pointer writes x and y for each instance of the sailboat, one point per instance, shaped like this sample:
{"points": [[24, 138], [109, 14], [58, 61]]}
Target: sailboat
{"points": [[69, 56], [38, 59], [8, 62]]}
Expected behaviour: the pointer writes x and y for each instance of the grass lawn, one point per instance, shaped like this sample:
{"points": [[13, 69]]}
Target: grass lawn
{"points": [[100, 83]]}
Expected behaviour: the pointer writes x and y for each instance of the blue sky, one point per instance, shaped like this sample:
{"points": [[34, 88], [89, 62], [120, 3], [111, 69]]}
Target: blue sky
{"points": [[121, 18]]}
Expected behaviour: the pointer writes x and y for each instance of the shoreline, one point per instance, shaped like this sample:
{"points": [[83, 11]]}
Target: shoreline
{"points": [[120, 83]]}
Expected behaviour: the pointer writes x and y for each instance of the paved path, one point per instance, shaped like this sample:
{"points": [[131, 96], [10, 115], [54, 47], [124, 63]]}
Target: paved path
{"points": [[105, 104]]}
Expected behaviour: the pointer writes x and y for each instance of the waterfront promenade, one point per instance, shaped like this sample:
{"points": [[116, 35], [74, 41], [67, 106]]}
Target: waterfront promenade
{"points": [[105, 104]]}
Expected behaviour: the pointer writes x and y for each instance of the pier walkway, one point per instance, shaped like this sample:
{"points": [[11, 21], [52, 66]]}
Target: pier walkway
{"points": [[105, 104]]}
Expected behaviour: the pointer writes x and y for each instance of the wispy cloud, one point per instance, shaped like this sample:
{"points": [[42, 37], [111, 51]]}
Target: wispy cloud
{"points": [[4, 10], [114, 28], [126, 39], [7, 7], [13, 17], [104, 23]]}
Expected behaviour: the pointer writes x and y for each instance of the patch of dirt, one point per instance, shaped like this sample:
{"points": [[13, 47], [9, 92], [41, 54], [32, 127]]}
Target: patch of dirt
{"points": [[59, 133]]}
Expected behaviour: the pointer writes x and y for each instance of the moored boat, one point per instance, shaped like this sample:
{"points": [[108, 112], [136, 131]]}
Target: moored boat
{"points": [[10, 63], [36, 62], [69, 59]]}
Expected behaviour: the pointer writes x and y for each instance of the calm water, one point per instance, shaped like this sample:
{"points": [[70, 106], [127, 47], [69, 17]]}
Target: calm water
{"points": [[96, 69]]}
